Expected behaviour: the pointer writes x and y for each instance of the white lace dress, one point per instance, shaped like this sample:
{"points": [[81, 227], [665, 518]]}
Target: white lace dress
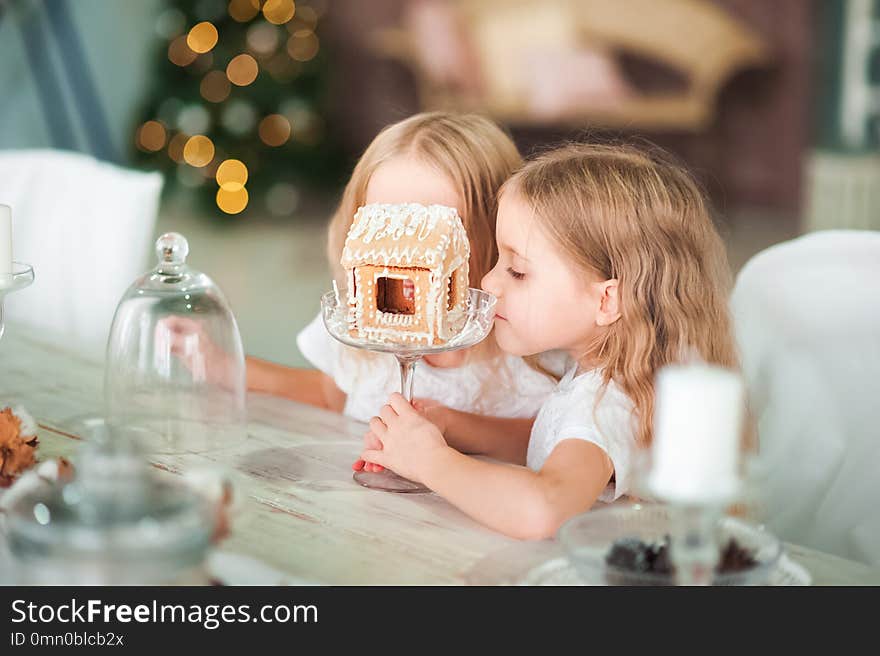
{"points": [[506, 388]]}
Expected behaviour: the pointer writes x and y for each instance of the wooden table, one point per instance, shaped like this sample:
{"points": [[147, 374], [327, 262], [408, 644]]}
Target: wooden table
{"points": [[304, 516]]}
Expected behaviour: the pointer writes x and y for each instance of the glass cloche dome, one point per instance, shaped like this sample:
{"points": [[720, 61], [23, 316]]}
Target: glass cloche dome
{"points": [[175, 372], [117, 522]]}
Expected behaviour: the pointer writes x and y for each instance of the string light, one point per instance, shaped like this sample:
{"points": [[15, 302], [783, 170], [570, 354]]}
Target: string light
{"points": [[274, 130], [244, 10], [151, 136], [202, 37], [176, 145], [242, 70], [180, 53], [303, 45], [198, 151], [215, 87], [232, 202], [305, 18], [278, 11], [232, 175]]}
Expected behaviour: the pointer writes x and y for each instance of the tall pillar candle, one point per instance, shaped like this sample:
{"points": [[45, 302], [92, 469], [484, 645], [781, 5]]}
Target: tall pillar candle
{"points": [[698, 414], [5, 246]]}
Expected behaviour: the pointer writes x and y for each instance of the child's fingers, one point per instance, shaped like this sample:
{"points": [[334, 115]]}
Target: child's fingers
{"points": [[378, 427], [387, 414], [375, 457], [400, 405], [358, 465], [372, 442]]}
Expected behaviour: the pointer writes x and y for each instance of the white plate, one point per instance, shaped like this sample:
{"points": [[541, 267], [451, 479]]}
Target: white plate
{"points": [[559, 571]]}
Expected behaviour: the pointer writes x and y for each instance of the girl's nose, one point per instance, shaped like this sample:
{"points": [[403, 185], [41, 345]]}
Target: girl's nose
{"points": [[488, 282]]}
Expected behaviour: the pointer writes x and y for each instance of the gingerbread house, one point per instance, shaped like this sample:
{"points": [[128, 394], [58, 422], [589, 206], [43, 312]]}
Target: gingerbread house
{"points": [[407, 273]]}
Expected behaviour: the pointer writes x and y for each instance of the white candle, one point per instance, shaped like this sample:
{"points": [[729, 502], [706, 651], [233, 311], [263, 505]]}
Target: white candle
{"points": [[5, 245], [698, 413]]}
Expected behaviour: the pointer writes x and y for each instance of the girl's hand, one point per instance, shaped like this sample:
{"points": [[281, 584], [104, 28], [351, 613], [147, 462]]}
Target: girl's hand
{"points": [[409, 440], [370, 442], [432, 410], [187, 340]]}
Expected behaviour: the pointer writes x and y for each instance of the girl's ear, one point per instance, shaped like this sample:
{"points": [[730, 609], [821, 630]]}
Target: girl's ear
{"points": [[609, 303]]}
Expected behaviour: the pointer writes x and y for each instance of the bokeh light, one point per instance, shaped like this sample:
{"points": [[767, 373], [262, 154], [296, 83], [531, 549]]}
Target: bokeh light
{"points": [[282, 199], [170, 23], [242, 70], [232, 175], [239, 117], [193, 119], [181, 54], [176, 145], [198, 151], [244, 10], [305, 18], [263, 38], [202, 37], [303, 45], [232, 202], [278, 11], [274, 130], [189, 177], [151, 136], [215, 87]]}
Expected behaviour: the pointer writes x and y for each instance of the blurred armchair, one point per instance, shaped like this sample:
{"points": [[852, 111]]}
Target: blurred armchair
{"points": [[527, 62], [86, 227], [807, 317]]}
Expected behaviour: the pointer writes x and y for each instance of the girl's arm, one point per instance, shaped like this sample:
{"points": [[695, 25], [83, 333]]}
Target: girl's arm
{"points": [[304, 385], [507, 498], [518, 501], [502, 438]]}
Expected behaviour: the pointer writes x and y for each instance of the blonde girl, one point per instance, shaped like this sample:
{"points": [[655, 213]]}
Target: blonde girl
{"points": [[609, 254], [450, 159]]}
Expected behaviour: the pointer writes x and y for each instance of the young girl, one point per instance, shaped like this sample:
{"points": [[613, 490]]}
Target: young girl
{"points": [[609, 254], [449, 159]]}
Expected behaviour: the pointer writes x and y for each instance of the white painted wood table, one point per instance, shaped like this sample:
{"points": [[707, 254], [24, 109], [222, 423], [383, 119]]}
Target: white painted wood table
{"points": [[304, 516]]}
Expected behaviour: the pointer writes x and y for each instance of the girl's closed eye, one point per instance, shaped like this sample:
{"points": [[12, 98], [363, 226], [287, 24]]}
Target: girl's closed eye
{"points": [[516, 275]]}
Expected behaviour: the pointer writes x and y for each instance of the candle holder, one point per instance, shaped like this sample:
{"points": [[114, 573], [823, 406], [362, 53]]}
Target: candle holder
{"points": [[479, 321], [22, 276]]}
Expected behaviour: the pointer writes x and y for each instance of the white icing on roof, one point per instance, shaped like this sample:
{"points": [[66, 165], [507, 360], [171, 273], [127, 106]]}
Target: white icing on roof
{"points": [[406, 235]]}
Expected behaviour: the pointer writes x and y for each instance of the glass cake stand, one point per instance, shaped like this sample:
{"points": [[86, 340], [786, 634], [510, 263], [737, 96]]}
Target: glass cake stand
{"points": [[21, 276], [478, 323]]}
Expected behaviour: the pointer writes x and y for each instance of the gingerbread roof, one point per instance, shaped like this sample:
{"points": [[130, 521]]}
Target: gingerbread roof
{"points": [[406, 235]]}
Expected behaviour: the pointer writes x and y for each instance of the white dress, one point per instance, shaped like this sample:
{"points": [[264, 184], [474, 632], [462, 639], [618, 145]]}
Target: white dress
{"points": [[572, 413], [504, 388]]}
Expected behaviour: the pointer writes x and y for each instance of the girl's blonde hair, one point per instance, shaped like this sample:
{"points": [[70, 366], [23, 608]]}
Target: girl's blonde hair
{"points": [[633, 215], [470, 150]]}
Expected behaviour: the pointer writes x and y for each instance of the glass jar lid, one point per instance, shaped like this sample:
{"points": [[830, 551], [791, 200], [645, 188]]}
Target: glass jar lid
{"points": [[118, 520]]}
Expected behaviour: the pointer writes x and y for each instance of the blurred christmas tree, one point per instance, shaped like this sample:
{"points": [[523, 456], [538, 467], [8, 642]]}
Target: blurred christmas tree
{"points": [[237, 112]]}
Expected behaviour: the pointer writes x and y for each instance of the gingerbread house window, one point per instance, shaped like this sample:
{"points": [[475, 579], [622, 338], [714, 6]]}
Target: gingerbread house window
{"points": [[395, 295]]}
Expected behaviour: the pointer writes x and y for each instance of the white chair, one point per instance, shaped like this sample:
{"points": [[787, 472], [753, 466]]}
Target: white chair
{"points": [[807, 317], [86, 227]]}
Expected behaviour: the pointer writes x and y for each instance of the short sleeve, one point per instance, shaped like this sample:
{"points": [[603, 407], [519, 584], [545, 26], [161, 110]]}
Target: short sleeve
{"points": [[327, 355], [316, 345], [611, 427]]}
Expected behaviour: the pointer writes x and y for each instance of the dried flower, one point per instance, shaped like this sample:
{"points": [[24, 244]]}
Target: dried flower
{"points": [[16, 450]]}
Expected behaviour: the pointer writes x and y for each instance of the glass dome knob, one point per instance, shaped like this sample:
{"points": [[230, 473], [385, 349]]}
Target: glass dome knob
{"points": [[172, 248]]}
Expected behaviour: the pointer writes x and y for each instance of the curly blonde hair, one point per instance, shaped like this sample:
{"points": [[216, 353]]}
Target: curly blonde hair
{"points": [[634, 215]]}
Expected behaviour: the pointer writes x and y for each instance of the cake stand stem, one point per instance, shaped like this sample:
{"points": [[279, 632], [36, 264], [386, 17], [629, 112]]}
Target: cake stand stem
{"points": [[407, 370]]}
